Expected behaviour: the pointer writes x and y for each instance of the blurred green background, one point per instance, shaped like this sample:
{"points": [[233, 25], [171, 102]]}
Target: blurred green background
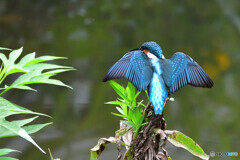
{"points": [[94, 35]]}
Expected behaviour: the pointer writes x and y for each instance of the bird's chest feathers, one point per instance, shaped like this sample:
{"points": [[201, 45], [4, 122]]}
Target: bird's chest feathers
{"points": [[156, 65]]}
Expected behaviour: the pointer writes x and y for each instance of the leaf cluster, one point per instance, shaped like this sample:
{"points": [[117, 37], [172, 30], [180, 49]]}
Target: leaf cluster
{"points": [[34, 70], [135, 117], [129, 109]]}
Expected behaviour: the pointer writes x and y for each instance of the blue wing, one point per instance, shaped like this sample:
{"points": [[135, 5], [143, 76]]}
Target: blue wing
{"points": [[135, 67], [181, 70]]}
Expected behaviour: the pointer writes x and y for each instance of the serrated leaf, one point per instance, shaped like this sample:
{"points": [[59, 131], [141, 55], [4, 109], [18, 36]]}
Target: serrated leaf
{"points": [[5, 151], [15, 69], [26, 77], [29, 64], [27, 58], [19, 131], [25, 121], [7, 133], [178, 139], [8, 108], [43, 59], [34, 77], [53, 72], [30, 129], [22, 87], [45, 80], [45, 66]]}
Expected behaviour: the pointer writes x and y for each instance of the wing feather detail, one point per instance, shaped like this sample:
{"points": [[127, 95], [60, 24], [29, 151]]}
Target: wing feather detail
{"points": [[181, 70], [134, 66]]}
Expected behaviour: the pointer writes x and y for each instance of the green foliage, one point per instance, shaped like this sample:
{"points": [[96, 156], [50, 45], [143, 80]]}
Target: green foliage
{"points": [[6, 151], [130, 110], [133, 114], [178, 139], [34, 71]]}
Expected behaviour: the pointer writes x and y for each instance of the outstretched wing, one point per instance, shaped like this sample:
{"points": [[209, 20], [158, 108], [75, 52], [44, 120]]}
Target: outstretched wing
{"points": [[181, 69], [134, 66]]}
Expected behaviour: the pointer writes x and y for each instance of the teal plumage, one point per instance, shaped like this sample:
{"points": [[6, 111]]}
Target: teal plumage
{"points": [[147, 67]]}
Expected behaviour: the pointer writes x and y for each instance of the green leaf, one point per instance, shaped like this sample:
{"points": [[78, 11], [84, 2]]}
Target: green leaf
{"points": [[45, 79], [21, 87], [5, 151], [30, 129], [125, 109], [119, 115], [19, 131], [50, 154], [118, 89], [120, 110], [1, 48], [53, 72], [116, 103], [93, 155], [28, 64], [25, 121], [178, 139], [34, 77], [26, 59], [7, 158], [15, 69], [45, 66], [8, 108], [43, 59], [131, 90], [3, 58], [14, 127], [14, 55]]}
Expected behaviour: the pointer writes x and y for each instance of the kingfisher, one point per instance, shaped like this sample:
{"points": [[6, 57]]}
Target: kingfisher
{"points": [[147, 68]]}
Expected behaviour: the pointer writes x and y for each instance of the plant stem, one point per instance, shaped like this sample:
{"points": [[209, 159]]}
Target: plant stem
{"points": [[128, 154], [4, 91]]}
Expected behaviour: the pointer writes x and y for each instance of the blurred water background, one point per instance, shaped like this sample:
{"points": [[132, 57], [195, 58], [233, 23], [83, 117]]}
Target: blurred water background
{"points": [[94, 35]]}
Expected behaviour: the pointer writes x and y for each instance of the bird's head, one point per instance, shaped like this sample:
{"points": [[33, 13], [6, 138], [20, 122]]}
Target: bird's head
{"points": [[153, 48]]}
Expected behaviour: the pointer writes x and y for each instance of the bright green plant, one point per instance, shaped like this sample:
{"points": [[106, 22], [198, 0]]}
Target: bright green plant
{"points": [[34, 70], [134, 116], [130, 110]]}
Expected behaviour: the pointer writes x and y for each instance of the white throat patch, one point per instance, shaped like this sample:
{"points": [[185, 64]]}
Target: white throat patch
{"points": [[151, 56]]}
